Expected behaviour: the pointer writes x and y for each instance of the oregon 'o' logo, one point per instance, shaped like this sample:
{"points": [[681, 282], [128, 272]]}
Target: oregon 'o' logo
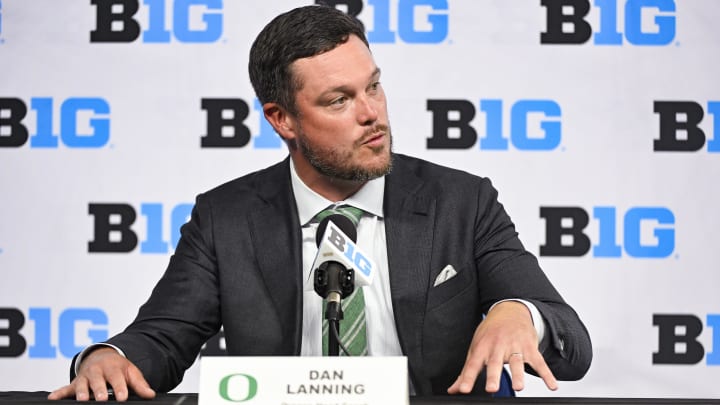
{"points": [[237, 394]]}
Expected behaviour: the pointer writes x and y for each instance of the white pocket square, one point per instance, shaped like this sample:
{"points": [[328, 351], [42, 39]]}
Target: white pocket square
{"points": [[446, 274]]}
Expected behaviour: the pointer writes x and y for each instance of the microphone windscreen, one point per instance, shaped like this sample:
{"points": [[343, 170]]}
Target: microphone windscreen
{"points": [[345, 224]]}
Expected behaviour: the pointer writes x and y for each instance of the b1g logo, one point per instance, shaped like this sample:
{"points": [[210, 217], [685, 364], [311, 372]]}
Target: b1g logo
{"points": [[48, 327], [432, 13], [191, 21], [92, 113], [679, 126], [648, 232], [226, 125], [113, 232], [678, 339], [566, 23], [451, 128]]}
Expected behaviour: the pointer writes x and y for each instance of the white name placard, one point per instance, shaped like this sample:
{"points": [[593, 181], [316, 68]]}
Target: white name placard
{"points": [[303, 380]]}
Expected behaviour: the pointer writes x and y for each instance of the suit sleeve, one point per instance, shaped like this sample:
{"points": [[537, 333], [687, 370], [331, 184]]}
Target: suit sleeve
{"points": [[507, 270], [183, 310]]}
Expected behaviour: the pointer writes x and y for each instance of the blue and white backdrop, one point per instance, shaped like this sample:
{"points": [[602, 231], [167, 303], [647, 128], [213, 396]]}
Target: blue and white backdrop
{"points": [[598, 121]]}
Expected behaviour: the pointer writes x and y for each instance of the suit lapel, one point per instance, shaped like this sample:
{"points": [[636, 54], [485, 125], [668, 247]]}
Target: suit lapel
{"points": [[409, 212], [409, 218], [277, 240]]}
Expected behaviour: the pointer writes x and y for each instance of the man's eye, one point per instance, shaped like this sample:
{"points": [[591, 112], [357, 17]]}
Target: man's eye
{"points": [[338, 101]]}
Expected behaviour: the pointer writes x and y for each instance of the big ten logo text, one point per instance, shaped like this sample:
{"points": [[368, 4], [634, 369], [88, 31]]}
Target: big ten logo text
{"points": [[113, 227], [680, 126], [678, 339], [226, 125], [190, 21], [410, 21], [67, 333], [534, 125], [647, 232], [645, 22], [348, 249], [84, 122]]}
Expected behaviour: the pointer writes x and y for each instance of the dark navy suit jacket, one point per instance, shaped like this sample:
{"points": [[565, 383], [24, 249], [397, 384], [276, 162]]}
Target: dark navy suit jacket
{"points": [[238, 265]]}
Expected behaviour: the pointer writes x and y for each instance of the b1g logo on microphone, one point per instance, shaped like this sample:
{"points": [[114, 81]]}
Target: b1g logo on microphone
{"points": [[645, 22], [678, 339], [113, 231], [336, 245], [190, 21], [84, 122], [226, 127], [344, 245], [647, 232], [680, 126], [417, 21], [52, 333], [534, 125]]}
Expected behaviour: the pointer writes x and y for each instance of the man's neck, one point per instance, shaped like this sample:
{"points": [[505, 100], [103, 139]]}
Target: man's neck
{"points": [[329, 187]]}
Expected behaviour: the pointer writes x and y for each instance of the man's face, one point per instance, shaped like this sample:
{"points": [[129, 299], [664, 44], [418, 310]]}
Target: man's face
{"points": [[342, 125]]}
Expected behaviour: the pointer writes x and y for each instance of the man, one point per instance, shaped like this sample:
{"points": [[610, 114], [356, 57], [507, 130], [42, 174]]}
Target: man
{"points": [[244, 255]]}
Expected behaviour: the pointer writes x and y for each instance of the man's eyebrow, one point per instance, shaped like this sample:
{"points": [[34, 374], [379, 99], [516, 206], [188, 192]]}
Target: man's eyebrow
{"points": [[344, 88]]}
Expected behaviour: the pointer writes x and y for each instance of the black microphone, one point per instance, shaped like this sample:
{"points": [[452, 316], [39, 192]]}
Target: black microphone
{"points": [[345, 224], [333, 281]]}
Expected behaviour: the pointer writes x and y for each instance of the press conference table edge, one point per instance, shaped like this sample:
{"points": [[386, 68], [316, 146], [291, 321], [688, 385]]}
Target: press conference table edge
{"points": [[40, 397]]}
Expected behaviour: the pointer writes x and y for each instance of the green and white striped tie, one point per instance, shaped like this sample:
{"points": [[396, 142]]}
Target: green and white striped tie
{"points": [[353, 331]]}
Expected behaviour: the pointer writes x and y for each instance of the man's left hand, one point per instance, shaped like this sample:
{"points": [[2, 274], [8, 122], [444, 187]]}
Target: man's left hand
{"points": [[505, 336]]}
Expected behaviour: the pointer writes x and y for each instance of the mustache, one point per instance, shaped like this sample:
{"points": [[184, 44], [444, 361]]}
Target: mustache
{"points": [[372, 132]]}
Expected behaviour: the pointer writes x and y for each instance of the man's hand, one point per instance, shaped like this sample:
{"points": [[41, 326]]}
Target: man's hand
{"points": [[102, 367], [505, 336]]}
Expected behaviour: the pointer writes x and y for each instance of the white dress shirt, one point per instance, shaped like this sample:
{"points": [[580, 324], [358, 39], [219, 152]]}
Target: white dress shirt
{"points": [[382, 336]]}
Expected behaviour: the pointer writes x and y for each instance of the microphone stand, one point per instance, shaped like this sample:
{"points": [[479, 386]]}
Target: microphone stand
{"points": [[334, 282], [334, 314]]}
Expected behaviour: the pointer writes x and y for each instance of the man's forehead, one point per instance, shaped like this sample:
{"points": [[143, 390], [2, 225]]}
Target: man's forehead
{"points": [[348, 55]]}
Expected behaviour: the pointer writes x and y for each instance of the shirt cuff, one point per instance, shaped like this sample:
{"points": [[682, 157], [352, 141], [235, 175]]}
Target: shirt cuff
{"points": [[91, 348]]}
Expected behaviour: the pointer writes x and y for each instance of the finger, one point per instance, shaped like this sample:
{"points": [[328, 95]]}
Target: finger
{"points": [[98, 386], [494, 371], [455, 387], [466, 380], [61, 393], [549, 379], [137, 382], [119, 386], [80, 388], [517, 370], [543, 371]]}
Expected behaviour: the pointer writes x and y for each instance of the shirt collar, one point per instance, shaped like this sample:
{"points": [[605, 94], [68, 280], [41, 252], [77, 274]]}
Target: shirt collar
{"points": [[369, 198]]}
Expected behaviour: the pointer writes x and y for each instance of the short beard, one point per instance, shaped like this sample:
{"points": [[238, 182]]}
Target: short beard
{"points": [[333, 164]]}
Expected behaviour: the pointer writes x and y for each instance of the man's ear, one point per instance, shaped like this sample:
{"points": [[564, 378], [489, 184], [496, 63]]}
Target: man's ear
{"points": [[282, 122]]}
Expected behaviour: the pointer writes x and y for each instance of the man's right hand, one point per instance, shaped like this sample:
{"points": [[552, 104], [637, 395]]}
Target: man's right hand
{"points": [[99, 368]]}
